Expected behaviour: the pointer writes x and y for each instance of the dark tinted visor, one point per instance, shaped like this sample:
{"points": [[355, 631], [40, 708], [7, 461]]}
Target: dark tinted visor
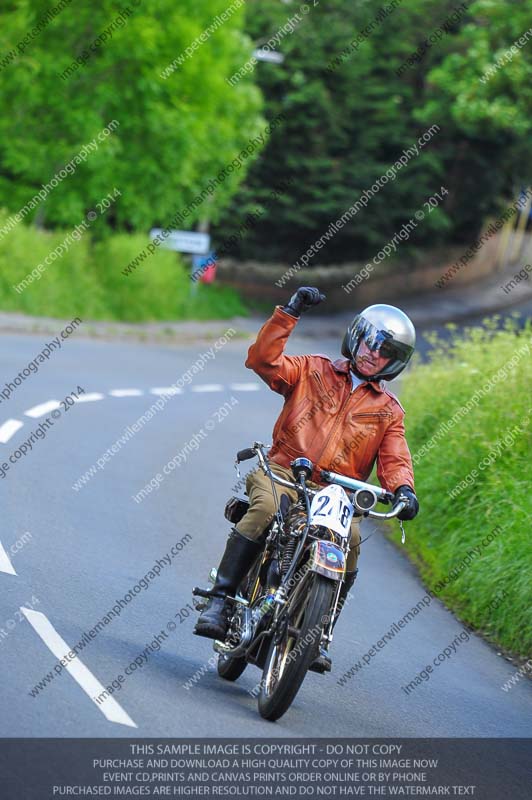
{"points": [[383, 342]]}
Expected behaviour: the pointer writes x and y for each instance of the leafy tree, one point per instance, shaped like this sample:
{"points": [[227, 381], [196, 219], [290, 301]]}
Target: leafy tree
{"points": [[353, 109], [175, 132], [483, 92]]}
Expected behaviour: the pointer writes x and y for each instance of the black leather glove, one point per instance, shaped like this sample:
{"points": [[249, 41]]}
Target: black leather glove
{"points": [[303, 299], [412, 506]]}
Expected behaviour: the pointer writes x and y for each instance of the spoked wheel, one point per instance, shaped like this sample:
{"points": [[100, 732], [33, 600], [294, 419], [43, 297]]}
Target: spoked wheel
{"points": [[294, 647]]}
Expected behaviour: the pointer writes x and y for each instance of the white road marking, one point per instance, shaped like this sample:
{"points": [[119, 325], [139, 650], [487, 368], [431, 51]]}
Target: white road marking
{"points": [[42, 409], [126, 393], [83, 676], [8, 429], [166, 390], [5, 563], [244, 387], [91, 397], [208, 387]]}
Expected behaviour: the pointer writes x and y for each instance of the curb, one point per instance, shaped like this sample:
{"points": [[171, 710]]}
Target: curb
{"points": [[426, 310]]}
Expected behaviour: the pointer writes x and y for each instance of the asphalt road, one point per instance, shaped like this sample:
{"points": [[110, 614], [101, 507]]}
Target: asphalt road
{"points": [[75, 553]]}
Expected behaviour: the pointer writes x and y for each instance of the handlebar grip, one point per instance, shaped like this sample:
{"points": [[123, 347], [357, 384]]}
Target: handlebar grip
{"points": [[245, 455]]}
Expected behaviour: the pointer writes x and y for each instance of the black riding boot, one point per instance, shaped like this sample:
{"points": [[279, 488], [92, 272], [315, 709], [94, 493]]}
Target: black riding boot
{"points": [[236, 562], [322, 662]]}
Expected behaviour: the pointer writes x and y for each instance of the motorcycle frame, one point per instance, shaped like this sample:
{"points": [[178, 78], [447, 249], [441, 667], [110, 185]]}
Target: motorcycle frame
{"points": [[280, 599]]}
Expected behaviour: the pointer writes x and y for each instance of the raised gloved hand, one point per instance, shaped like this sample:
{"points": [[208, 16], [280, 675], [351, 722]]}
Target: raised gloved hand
{"points": [[412, 506], [303, 299]]}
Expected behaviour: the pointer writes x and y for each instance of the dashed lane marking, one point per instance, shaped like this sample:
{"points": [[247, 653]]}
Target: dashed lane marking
{"points": [[111, 710], [207, 387], [42, 409], [11, 426], [166, 390], [91, 397], [5, 562], [244, 387], [8, 429]]}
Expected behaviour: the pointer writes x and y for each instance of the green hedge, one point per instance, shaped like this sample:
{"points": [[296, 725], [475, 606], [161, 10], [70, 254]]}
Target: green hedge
{"points": [[485, 400], [87, 280]]}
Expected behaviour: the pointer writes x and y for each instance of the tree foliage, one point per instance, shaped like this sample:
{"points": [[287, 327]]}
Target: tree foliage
{"points": [[360, 83], [483, 92], [353, 109], [174, 133]]}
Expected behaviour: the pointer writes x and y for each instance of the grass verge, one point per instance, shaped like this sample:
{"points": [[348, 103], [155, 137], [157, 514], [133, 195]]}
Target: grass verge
{"points": [[86, 280], [468, 423]]}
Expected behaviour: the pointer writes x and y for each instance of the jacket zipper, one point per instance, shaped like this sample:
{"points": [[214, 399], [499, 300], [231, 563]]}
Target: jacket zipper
{"points": [[322, 387], [373, 414], [340, 413]]}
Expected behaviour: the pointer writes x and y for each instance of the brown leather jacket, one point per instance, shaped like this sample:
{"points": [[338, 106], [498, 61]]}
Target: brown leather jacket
{"points": [[324, 419]]}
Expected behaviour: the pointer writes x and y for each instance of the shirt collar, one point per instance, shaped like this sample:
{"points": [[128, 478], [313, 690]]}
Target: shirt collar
{"points": [[343, 365]]}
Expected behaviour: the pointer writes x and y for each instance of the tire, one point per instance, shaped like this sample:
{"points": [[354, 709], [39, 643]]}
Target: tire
{"points": [[231, 668], [228, 667], [277, 694]]}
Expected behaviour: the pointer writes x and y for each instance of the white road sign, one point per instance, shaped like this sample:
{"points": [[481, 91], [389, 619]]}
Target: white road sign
{"points": [[184, 241], [273, 56]]}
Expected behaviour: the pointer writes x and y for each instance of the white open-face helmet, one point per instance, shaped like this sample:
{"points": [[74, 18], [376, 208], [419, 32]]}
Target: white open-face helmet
{"points": [[384, 329]]}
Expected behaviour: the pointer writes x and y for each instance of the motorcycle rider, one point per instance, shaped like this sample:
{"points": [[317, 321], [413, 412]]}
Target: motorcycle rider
{"points": [[340, 415]]}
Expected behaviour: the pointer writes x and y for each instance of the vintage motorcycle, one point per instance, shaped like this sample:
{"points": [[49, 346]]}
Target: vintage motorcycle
{"points": [[286, 606]]}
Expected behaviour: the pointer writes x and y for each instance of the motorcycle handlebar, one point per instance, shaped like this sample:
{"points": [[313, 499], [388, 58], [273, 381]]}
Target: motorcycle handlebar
{"points": [[396, 510], [246, 454], [331, 477], [354, 485]]}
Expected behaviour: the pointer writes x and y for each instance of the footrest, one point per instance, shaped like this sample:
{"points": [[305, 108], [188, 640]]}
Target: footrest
{"points": [[197, 592]]}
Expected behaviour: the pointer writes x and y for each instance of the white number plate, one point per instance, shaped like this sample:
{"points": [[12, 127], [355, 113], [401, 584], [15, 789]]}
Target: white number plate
{"points": [[332, 509]]}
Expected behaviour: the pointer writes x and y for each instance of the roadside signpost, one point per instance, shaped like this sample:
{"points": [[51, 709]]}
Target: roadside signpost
{"points": [[273, 56], [184, 241], [192, 242]]}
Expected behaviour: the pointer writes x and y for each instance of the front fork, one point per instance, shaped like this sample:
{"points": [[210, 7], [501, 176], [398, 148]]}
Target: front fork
{"points": [[329, 560], [327, 635]]}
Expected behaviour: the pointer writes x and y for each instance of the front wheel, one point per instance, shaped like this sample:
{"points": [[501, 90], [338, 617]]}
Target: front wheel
{"points": [[293, 651]]}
